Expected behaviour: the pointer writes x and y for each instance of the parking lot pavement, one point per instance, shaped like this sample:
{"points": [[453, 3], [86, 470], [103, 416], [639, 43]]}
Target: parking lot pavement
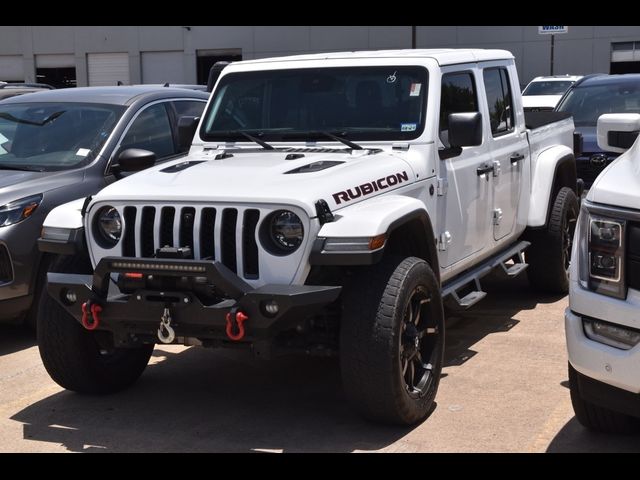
{"points": [[504, 389]]}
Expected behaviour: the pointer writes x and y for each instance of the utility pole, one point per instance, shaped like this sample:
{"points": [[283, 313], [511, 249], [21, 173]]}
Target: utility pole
{"points": [[553, 37], [413, 36]]}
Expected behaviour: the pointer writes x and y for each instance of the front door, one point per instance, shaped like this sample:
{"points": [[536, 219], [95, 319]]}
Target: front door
{"points": [[466, 211], [509, 149]]}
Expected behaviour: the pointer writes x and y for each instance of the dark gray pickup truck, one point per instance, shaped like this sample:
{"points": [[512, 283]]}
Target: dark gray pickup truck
{"points": [[60, 145]]}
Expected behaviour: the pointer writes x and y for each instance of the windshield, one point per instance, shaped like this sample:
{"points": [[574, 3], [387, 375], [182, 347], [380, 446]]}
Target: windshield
{"points": [[586, 104], [361, 103], [53, 136], [547, 88]]}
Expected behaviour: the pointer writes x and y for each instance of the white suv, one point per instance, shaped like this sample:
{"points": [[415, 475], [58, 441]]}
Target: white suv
{"points": [[544, 93]]}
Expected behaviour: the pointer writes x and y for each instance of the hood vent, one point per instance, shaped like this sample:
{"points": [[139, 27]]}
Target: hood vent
{"points": [[181, 166], [315, 167]]}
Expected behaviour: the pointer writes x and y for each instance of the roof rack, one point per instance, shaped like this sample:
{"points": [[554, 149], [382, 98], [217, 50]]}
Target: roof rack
{"points": [[25, 85]]}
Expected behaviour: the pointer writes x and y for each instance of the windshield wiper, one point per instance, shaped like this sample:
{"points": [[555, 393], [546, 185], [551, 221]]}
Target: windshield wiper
{"points": [[22, 168], [337, 138], [262, 143], [49, 119]]}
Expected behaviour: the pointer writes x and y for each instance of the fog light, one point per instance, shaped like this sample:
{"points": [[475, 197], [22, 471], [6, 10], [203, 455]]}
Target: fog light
{"points": [[69, 297], [617, 336], [271, 308]]}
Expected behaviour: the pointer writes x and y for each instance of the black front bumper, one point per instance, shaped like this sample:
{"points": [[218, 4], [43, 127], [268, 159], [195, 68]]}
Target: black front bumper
{"points": [[139, 313], [607, 396]]}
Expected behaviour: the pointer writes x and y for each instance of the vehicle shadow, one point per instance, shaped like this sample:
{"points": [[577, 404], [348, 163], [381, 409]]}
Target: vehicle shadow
{"points": [[201, 400], [494, 314], [14, 338], [573, 437]]}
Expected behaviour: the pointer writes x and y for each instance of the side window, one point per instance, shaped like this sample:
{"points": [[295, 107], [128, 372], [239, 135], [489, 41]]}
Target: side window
{"points": [[188, 108], [458, 95], [151, 131], [499, 100]]}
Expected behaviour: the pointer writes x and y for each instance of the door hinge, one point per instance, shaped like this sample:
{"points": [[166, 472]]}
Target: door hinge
{"points": [[443, 185], [444, 241], [497, 216]]}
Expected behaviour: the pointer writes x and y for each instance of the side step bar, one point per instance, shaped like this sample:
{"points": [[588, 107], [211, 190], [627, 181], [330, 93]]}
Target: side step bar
{"points": [[471, 279]]}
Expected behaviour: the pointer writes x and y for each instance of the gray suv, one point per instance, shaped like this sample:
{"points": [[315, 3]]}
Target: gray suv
{"points": [[61, 145]]}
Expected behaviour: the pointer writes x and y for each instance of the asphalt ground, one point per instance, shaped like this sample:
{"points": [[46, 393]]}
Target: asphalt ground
{"points": [[504, 388]]}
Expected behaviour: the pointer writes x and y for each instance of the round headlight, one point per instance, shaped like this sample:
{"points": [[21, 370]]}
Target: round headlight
{"points": [[285, 231], [109, 225]]}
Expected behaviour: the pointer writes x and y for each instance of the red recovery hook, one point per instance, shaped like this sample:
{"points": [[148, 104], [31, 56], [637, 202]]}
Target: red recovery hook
{"points": [[240, 318], [94, 309]]}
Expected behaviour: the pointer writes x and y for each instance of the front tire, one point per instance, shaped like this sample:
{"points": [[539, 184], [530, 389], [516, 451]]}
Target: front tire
{"points": [[392, 340], [549, 255], [72, 356]]}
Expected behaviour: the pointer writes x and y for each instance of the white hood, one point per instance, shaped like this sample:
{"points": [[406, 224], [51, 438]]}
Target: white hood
{"points": [[260, 177], [619, 183]]}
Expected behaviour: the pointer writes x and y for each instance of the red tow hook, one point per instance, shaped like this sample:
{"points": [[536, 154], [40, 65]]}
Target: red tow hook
{"points": [[94, 309], [240, 319]]}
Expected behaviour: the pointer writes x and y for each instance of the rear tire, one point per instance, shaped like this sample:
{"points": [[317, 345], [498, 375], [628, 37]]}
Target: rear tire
{"points": [[392, 340], [595, 417], [549, 255], [71, 354]]}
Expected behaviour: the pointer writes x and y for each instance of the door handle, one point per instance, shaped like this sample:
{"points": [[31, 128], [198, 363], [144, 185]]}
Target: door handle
{"points": [[482, 169], [516, 158]]}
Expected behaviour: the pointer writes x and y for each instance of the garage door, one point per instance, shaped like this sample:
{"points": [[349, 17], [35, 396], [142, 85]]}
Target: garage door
{"points": [[11, 68], [108, 68], [161, 67]]}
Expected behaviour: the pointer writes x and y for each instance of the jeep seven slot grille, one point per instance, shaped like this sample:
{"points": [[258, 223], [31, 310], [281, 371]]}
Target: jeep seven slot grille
{"points": [[224, 234]]}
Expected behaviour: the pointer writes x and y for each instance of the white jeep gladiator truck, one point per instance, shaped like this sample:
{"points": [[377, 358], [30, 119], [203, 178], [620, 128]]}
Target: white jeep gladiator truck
{"points": [[331, 203], [602, 321]]}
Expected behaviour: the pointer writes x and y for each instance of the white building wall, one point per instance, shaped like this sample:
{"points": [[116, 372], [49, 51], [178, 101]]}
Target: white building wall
{"points": [[584, 49]]}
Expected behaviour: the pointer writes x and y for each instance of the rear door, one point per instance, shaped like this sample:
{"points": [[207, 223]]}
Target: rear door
{"points": [[508, 145]]}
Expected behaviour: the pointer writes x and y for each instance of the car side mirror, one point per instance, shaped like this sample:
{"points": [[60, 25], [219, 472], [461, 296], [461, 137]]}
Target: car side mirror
{"points": [[618, 131], [134, 160], [465, 129], [186, 130]]}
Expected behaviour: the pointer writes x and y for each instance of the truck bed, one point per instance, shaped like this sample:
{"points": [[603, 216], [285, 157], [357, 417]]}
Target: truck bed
{"points": [[547, 129]]}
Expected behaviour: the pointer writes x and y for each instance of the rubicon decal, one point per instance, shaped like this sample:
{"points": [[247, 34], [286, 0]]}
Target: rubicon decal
{"points": [[367, 188]]}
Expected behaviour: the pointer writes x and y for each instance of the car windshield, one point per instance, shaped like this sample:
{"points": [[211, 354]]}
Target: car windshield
{"points": [[360, 103], [53, 136], [547, 88], [587, 103]]}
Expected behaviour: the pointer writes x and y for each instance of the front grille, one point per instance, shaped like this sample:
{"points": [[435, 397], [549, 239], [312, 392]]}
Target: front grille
{"points": [[6, 272], [224, 234], [633, 256]]}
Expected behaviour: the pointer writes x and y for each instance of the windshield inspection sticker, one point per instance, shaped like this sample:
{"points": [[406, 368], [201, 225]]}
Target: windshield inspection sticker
{"points": [[407, 127], [414, 91], [83, 152]]}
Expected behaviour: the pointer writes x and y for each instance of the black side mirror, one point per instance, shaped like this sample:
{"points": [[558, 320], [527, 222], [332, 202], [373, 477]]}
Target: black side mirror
{"points": [[465, 129], [186, 131], [214, 73], [134, 160], [621, 139]]}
